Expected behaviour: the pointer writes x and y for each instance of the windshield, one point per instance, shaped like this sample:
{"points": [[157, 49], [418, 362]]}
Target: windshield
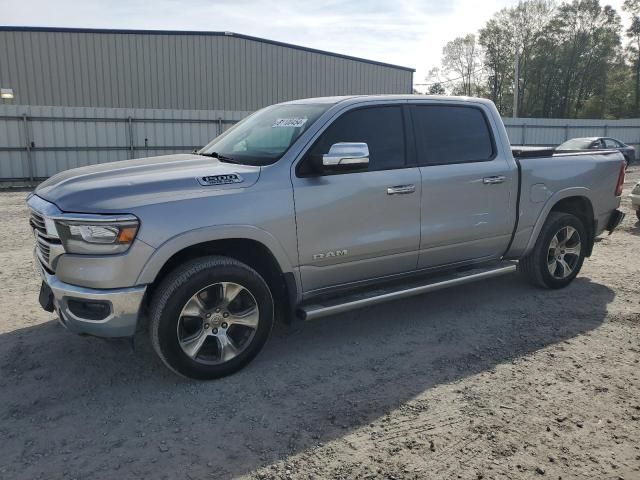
{"points": [[265, 136], [576, 144]]}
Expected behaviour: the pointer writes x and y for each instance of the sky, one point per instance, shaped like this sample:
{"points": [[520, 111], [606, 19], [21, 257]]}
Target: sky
{"points": [[410, 33]]}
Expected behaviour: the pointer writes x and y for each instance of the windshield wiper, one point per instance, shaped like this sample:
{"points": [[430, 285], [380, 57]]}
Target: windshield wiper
{"points": [[219, 156]]}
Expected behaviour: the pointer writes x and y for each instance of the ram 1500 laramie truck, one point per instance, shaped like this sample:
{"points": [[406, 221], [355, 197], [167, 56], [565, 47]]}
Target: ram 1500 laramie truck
{"points": [[310, 208]]}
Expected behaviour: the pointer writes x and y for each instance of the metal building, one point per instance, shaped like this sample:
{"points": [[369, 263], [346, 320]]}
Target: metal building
{"points": [[74, 97], [178, 70]]}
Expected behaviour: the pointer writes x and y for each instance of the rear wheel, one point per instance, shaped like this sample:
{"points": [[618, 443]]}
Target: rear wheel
{"points": [[558, 254], [638, 214], [210, 317]]}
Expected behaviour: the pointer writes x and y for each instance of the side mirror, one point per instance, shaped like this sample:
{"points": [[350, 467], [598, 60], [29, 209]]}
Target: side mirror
{"points": [[346, 156]]}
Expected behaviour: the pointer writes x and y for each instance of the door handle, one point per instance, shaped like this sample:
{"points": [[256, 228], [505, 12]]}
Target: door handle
{"points": [[494, 180], [401, 189]]}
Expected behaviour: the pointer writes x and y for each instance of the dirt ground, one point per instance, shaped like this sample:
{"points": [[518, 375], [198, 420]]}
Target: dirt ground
{"points": [[494, 380]]}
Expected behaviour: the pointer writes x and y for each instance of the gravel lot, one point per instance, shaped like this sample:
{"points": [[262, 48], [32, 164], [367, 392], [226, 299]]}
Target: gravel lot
{"points": [[494, 380]]}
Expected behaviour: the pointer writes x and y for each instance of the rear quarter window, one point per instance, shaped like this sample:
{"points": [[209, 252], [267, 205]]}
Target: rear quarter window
{"points": [[451, 134]]}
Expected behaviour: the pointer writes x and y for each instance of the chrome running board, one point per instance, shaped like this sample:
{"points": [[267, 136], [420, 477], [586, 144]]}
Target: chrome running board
{"points": [[408, 289]]}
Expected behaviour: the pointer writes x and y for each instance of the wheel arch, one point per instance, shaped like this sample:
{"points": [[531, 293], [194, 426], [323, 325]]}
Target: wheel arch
{"points": [[252, 246], [575, 201]]}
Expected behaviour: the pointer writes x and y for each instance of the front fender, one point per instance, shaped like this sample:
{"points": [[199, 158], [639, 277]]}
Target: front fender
{"points": [[207, 234]]}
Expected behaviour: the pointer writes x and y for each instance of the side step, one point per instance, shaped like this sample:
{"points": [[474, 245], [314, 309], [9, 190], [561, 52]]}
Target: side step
{"points": [[415, 287]]}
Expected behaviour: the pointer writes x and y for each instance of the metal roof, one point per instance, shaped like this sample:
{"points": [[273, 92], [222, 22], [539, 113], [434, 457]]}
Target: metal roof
{"points": [[196, 32]]}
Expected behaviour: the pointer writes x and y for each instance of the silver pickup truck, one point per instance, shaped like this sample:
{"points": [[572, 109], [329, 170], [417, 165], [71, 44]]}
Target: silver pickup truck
{"points": [[310, 208]]}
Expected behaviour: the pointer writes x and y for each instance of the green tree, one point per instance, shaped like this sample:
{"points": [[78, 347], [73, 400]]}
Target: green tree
{"points": [[584, 38], [461, 59], [436, 89], [571, 62], [529, 22], [513, 29], [633, 48], [566, 69], [497, 40]]}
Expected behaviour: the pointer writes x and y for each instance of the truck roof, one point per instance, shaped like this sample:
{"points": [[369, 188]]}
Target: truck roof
{"points": [[356, 98]]}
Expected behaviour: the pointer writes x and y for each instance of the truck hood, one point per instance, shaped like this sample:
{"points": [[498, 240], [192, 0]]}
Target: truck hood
{"points": [[116, 187]]}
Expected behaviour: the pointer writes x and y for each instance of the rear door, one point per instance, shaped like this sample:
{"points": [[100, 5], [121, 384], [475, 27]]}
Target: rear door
{"points": [[351, 226], [469, 187]]}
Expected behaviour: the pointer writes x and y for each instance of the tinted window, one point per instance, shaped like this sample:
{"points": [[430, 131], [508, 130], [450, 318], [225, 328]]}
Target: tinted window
{"points": [[381, 128], [446, 134]]}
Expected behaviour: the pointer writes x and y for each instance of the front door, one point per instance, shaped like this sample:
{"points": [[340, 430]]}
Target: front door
{"points": [[359, 225]]}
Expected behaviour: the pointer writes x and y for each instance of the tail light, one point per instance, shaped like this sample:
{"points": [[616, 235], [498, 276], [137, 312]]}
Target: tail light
{"points": [[620, 184]]}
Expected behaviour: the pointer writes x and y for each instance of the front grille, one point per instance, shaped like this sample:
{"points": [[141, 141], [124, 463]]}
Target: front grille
{"points": [[37, 223], [44, 249], [44, 243], [48, 246]]}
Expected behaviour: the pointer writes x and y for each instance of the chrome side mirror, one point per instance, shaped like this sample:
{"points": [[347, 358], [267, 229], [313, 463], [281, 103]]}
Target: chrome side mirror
{"points": [[346, 156]]}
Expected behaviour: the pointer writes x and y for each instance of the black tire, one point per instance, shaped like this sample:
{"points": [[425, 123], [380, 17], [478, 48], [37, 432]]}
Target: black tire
{"points": [[178, 287], [534, 266], [638, 214]]}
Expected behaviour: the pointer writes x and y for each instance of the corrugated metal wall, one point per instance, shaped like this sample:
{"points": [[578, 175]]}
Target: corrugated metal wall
{"points": [[551, 131], [178, 70], [37, 142]]}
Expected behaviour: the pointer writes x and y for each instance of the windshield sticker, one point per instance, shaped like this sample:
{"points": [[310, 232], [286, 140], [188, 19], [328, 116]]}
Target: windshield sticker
{"points": [[220, 179], [289, 122]]}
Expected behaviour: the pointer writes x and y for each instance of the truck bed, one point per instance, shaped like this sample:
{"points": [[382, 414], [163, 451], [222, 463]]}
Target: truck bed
{"points": [[526, 151], [547, 177]]}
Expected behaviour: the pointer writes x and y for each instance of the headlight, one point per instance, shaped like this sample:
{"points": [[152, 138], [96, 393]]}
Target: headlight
{"points": [[97, 238]]}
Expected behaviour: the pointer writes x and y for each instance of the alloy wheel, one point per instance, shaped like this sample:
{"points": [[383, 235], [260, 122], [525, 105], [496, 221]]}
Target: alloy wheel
{"points": [[564, 252], [218, 323]]}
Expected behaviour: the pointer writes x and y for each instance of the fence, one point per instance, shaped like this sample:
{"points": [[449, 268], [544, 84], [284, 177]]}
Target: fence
{"points": [[37, 142], [551, 131]]}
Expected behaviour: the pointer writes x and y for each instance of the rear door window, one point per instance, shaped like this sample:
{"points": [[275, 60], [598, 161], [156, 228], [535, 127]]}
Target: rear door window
{"points": [[448, 134]]}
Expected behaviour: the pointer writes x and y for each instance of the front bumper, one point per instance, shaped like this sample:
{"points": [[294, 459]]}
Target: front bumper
{"points": [[124, 307]]}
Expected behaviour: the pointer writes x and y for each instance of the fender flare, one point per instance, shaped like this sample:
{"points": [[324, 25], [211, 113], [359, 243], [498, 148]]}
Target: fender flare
{"points": [[548, 206], [208, 234]]}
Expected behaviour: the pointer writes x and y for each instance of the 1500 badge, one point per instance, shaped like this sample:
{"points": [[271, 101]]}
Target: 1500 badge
{"points": [[225, 179]]}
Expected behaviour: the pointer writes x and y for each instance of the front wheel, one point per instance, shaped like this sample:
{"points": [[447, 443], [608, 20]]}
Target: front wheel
{"points": [[210, 317], [558, 254]]}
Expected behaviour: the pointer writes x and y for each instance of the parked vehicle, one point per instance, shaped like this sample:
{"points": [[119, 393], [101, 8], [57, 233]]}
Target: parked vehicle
{"points": [[635, 199], [310, 208], [599, 143]]}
